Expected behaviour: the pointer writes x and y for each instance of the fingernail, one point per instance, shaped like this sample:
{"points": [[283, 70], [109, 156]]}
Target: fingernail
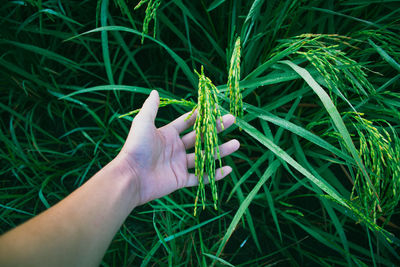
{"points": [[228, 170], [237, 143]]}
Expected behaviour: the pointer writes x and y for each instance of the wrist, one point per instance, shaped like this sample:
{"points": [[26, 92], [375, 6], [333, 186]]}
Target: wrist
{"points": [[128, 176]]}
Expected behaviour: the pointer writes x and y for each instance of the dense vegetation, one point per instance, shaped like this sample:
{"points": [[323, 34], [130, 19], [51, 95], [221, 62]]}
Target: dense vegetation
{"points": [[317, 178]]}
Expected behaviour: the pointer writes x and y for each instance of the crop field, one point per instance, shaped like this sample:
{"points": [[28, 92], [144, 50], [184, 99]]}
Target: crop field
{"points": [[314, 86]]}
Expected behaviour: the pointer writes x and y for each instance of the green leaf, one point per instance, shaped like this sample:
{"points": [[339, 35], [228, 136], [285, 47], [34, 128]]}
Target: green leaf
{"points": [[280, 153], [385, 56], [186, 70], [245, 204], [335, 116]]}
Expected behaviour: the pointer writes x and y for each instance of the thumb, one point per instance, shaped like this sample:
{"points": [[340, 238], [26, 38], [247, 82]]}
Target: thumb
{"points": [[150, 106]]}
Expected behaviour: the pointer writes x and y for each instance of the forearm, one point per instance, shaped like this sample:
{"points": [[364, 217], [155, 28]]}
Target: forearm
{"points": [[78, 230]]}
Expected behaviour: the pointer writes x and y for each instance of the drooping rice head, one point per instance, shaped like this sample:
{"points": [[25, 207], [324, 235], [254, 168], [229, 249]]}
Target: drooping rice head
{"points": [[380, 150], [206, 131], [235, 94], [150, 14], [326, 52]]}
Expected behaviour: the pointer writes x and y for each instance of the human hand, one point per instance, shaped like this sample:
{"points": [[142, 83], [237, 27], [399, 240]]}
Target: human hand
{"points": [[157, 158]]}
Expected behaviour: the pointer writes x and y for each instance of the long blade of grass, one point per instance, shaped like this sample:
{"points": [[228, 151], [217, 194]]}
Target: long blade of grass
{"points": [[280, 153], [181, 233], [127, 88], [243, 207], [327, 204], [264, 115], [215, 258], [336, 118], [186, 70], [248, 215], [215, 4], [104, 41], [272, 209], [385, 55], [263, 67]]}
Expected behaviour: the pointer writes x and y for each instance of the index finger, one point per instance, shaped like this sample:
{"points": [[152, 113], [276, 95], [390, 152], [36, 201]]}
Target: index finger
{"points": [[183, 122]]}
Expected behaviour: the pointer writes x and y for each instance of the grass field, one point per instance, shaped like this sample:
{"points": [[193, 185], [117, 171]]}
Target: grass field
{"points": [[317, 178]]}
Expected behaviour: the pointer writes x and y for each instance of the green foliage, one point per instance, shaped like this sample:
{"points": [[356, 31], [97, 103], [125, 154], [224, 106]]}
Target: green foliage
{"points": [[123, 6], [305, 175]]}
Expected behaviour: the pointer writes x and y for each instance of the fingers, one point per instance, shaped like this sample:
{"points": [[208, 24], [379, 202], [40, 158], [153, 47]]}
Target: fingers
{"points": [[150, 107], [224, 150], [193, 181], [183, 122], [189, 139]]}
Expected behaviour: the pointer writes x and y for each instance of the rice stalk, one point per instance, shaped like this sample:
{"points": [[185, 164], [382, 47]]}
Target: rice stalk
{"points": [[380, 152], [339, 71], [235, 94], [206, 129], [164, 102], [360, 216], [150, 14]]}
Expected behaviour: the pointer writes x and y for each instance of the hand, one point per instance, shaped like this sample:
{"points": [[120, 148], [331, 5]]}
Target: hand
{"points": [[157, 158]]}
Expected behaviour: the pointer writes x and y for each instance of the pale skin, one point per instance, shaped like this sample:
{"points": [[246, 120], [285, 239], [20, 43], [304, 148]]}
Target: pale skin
{"points": [[77, 230]]}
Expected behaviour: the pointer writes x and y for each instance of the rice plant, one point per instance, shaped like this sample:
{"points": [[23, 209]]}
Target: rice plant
{"points": [[150, 15], [380, 151], [325, 53], [206, 146]]}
